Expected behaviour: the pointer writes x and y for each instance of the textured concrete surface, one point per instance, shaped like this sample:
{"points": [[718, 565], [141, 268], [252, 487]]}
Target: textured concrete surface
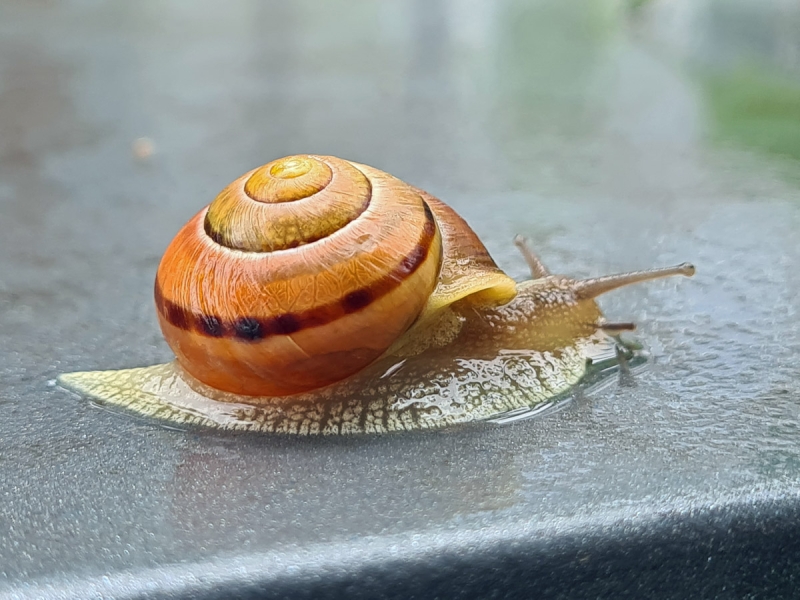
{"points": [[573, 127]]}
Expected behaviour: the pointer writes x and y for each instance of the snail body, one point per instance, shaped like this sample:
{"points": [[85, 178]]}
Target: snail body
{"points": [[317, 295]]}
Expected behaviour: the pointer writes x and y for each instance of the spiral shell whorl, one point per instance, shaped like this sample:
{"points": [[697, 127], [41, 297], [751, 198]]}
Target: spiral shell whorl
{"points": [[287, 203], [288, 179]]}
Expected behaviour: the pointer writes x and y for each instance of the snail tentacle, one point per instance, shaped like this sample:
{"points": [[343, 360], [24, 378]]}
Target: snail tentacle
{"points": [[535, 264], [616, 328], [586, 289]]}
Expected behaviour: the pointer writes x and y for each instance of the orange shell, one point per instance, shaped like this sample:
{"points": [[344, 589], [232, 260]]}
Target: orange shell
{"points": [[303, 272]]}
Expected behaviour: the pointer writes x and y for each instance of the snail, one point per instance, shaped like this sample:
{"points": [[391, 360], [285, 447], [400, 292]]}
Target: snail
{"points": [[319, 295]]}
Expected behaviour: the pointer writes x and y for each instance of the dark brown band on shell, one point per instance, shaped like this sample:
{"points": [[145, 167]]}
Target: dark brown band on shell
{"points": [[249, 328]]}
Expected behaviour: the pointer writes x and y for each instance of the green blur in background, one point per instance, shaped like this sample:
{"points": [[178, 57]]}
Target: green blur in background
{"points": [[757, 109]]}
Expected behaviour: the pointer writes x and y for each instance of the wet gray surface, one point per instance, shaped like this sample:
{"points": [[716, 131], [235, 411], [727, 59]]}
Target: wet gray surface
{"points": [[576, 127]]}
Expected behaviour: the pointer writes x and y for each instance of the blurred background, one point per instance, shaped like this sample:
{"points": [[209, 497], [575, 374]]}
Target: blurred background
{"points": [[471, 94], [617, 134]]}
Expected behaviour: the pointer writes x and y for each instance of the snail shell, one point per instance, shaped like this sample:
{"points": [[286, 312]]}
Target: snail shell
{"points": [[318, 295], [306, 270]]}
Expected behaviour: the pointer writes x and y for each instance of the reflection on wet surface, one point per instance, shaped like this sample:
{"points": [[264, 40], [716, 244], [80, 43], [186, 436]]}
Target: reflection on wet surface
{"points": [[581, 129]]}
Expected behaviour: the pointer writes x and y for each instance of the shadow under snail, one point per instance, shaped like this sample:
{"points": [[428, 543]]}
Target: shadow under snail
{"points": [[318, 295]]}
